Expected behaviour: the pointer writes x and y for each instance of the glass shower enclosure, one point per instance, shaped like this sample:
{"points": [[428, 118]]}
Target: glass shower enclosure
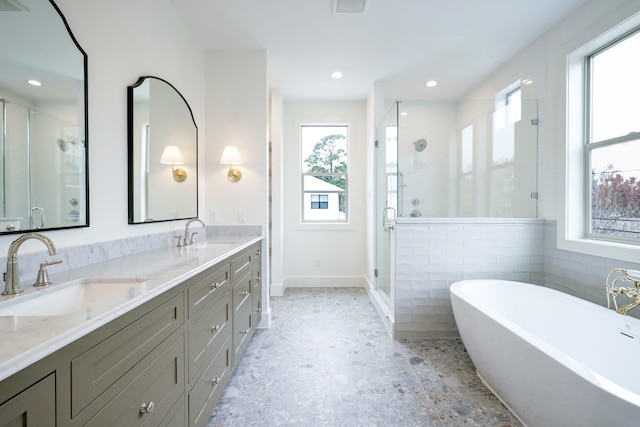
{"points": [[453, 159]]}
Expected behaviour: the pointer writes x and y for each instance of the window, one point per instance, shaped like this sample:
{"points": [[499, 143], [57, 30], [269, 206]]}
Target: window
{"points": [[612, 146], [319, 201], [324, 150], [466, 172]]}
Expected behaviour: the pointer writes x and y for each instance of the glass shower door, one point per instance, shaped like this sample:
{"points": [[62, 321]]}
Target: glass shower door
{"points": [[386, 174]]}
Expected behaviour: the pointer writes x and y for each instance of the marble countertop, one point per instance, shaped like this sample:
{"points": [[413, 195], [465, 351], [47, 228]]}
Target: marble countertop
{"points": [[28, 338]]}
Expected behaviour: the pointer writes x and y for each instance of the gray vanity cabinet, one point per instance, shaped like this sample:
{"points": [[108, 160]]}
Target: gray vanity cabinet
{"points": [[165, 363], [33, 407]]}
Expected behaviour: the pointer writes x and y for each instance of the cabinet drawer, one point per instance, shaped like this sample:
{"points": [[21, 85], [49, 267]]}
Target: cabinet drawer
{"points": [[242, 332], [257, 309], [207, 335], [207, 391], [242, 292], [208, 290], [33, 407], [257, 252], [149, 397], [257, 277], [241, 264], [98, 368]]}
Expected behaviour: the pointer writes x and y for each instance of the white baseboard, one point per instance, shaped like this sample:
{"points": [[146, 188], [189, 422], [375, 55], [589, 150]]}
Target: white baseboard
{"points": [[325, 282], [276, 290]]}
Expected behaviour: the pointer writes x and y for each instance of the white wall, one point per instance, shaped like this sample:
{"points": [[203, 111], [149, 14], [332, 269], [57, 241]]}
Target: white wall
{"points": [[339, 249], [237, 114], [124, 40]]}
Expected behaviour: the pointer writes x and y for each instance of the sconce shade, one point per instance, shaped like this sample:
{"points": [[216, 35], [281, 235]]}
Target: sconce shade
{"points": [[171, 156], [230, 156]]}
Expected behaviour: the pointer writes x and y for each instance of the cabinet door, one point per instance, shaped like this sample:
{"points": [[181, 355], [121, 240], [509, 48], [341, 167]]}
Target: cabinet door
{"points": [[34, 407]]}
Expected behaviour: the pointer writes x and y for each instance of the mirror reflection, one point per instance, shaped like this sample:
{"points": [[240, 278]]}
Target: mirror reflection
{"points": [[43, 118], [163, 144]]}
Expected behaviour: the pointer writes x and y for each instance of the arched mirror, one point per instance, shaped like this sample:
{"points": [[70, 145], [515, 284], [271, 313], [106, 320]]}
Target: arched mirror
{"points": [[163, 153], [43, 118]]}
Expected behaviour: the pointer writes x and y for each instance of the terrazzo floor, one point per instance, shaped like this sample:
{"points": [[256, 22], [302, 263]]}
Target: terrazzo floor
{"points": [[327, 360]]}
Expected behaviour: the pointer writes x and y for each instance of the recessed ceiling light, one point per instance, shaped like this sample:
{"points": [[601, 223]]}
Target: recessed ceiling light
{"points": [[34, 82], [431, 83], [404, 113], [336, 75], [527, 81]]}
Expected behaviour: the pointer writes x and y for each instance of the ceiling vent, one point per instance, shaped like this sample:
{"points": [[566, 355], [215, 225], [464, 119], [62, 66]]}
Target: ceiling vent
{"points": [[12, 6], [349, 6]]}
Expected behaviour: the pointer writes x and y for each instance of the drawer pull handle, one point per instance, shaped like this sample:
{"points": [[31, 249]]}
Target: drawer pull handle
{"points": [[216, 381], [244, 293], [244, 331], [147, 407], [215, 329], [215, 286], [259, 310], [258, 252]]}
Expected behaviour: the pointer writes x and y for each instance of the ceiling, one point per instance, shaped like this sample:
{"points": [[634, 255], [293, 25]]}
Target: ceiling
{"points": [[401, 43]]}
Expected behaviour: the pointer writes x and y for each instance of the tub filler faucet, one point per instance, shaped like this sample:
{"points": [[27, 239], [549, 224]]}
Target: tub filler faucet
{"points": [[623, 277]]}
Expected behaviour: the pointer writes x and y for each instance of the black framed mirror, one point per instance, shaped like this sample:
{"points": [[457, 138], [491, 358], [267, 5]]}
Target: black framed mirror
{"points": [[44, 183], [162, 153]]}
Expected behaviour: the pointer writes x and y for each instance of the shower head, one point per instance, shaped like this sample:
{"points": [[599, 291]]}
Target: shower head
{"points": [[420, 144], [62, 144]]}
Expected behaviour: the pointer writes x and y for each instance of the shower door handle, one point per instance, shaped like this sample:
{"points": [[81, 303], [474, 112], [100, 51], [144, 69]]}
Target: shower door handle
{"points": [[386, 224]]}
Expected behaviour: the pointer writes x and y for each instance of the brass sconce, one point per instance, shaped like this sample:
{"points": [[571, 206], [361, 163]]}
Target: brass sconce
{"points": [[172, 156], [231, 156]]}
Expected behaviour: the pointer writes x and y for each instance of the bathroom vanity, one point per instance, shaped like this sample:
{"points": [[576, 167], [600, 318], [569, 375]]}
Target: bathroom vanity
{"points": [[158, 352]]}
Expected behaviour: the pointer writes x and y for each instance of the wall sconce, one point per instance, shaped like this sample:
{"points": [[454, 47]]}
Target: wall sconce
{"points": [[172, 156], [231, 156]]}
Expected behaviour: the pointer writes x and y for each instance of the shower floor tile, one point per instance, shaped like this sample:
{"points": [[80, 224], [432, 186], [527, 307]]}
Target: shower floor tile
{"points": [[327, 360]]}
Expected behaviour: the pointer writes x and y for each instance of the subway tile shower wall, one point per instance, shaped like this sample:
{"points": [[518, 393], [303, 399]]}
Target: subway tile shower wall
{"points": [[577, 274], [432, 254]]}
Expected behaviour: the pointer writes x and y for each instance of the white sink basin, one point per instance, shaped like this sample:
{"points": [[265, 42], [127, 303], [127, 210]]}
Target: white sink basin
{"points": [[71, 297]]}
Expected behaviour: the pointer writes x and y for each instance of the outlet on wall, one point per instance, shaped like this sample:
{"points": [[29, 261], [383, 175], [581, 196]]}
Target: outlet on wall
{"points": [[213, 217], [317, 262], [242, 217]]}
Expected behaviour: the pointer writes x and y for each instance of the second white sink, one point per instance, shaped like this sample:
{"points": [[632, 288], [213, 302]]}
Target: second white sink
{"points": [[70, 297]]}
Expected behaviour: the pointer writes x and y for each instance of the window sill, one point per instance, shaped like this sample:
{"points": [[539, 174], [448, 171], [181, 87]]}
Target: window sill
{"points": [[324, 226], [600, 248]]}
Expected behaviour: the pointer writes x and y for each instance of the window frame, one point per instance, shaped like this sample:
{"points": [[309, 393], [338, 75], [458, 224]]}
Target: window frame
{"points": [[344, 174], [590, 145], [569, 63]]}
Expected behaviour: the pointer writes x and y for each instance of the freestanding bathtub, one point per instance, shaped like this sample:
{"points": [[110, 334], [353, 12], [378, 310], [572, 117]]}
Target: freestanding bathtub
{"points": [[553, 359]]}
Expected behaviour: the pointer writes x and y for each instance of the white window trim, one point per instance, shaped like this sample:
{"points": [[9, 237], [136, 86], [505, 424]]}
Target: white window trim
{"points": [[300, 224], [571, 224]]}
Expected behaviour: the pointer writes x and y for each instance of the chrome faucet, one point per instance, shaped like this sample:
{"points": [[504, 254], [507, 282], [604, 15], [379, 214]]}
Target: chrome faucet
{"points": [[632, 292], [190, 240], [12, 276]]}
